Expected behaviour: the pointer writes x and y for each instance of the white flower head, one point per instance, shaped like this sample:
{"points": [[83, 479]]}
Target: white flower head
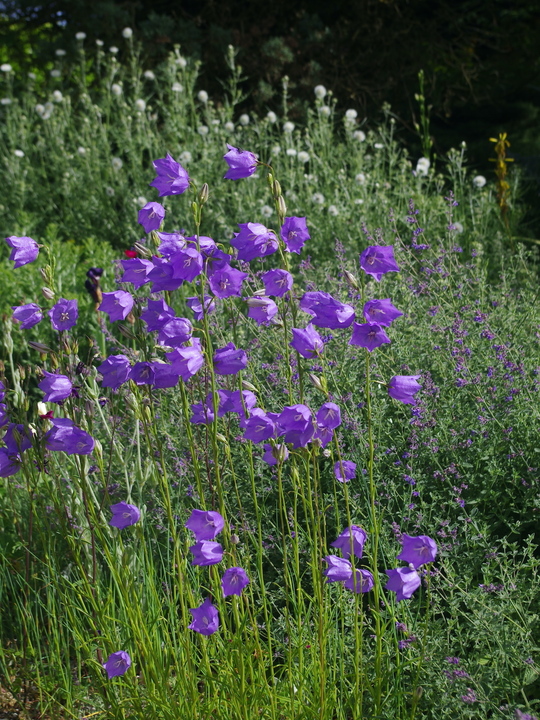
{"points": [[57, 96], [479, 181], [116, 89], [332, 210], [266, 211], [378, 146], [149, 75], [244, 119], [55, 73], [288, 127], [276, 150], [325, 111], [202, 130], [181, 62], [291, 152], [318, 198], [202, 96], [6, 67], [458, 227], [422, 166], [351, 115], [99, 43], [32, 75], [116, 163], [359, 201], [320, 92], [113, 49], [177, 87], [359, 135], [59, 52], [18, 153], [271, 116], [110, 191], [140, 105], [80, 36], [303, 156], [127, 32], [5, 101], [40, 109], [229, 126], [185, 157], [81, 150], [361, 178], [141, 200]]}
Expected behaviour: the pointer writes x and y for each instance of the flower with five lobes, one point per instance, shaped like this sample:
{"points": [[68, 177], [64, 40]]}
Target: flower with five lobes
{"points": [[117, 304], [326, 310], [368, 335], [124, 515], [229, 360], [377, 260], [404, 388], [115, 371], [234, 580], [262, 309], [258, 426], [66, 437], [338, 569], [307, 342], [418, 550], [242, 163], [254, 241], [277, 282], [186, 361], [403, 581], [64, 314], [118, 663], [151, 216], [360, 582], [343, 541], [171, 178], [206, 552], [297, 424], [381, 312], [226, 281], [27, 315], [205, 524], [205, 618], [24, 250], [345, 470], [294, 233], [56, 387]]}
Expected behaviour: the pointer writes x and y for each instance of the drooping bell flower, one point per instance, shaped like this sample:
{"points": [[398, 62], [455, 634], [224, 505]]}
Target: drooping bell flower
{"points": [[117, 304], [175, 332], [24, 250], [368, 335], [262, 310], [404, 388], [338, 570], [171, 178], [327, 311], [186, 361], [205, 618], [254, 241], [343, 541], [242, 163], [66, 437], [294, 233], [206, 552], [56, 387], [27, 315], [205, 524], [229, 360], [403, 581], [124, 515], [307, 342]]}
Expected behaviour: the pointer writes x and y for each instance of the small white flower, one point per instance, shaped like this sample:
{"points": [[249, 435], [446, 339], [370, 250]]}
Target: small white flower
{"points": [[378, 146], [181, 62], [359, 135], [276, 150], [325, 111], [80, 36], [271, 116], [266, 211], [479, 181], [127, 33], [332, 210], [5, 101], [57, 96], [244, 119], [229, 126], [288, 127], [116, 163], [202, 130], [110, 191], [18, 153], [6, 67], [203, 96], [359, 201], [99, 43], [351, 115], [59, 52], [318, 198], [149, 75], [113, 49], [458, 227], [116, 89], [177, 87], [303, 156], [32, 75], [140, 105], [422, 166], [361, 178], [40, 109], [291, 152], [55, 73], [81, 150], [320, 92], [185, 157], [216, 122], [141, 200]]}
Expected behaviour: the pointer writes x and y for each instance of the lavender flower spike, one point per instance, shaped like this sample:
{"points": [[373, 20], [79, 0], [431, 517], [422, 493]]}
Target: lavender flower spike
{"points": [[205, 618], [124, 515], [242, 163], [205, 525], [118, 663], [24, 250], [418, 550]]}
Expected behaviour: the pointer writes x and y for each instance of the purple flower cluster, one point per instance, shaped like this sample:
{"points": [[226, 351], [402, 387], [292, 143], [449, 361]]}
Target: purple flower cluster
{"points": [[416, 550], [351, 543]]}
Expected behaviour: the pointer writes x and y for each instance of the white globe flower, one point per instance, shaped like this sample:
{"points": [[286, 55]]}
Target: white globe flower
{"points": [[359, 135], [57, 96], [479, 181], [127, 32], [244, 119], [116, 89], [229, 126], [271, 116], [55, 73], [318, 198], [291, 152], [177, 87], [422, 166], [458, 227], [18, 153], [276, 150], [202, 130], [141, 200], [181, 62], [116, 163], [40, 109], [325, 111], [378, 146], [5, 101], [110, 191], [288, 127], [332, 210], [140, 105], [266, 211], [32, 75], [6, 67], [80, 36], [185, 157], [113, 49], [149, 75], [303, 156], [361, 178], [100, 43], [351, 115], [59, 52], [359, 201], [320, 92], [81, 150], [203, 96]]}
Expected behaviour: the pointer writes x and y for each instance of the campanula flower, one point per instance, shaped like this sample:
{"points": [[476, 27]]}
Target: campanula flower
{"points": [[254, 241], [162, 276], [274, 454], [338, 569], [157, 313], [229, 360], [327, 311], [258, 426], [24, 250], [202, 414], [297, 424], [360, 582], [117, 304], [205, 524], [142, 373], [136, 271], [343, 541], [186, 361], [377, 260], [187, 264], [115, 371], [171, 243], [10, 463], [165, 375], [404, 388], [307, 342], [329, 416], [226, 281], [206, 552], [205, 618], [175, 332], [262, 310], [232, 401], [56, 387], [27, 315], [199, 310], [171, 178], [234, 580], [381, 312], [403, 581], [118, 663], [151, 216], [368, 335], [124, 515], [66, 437], [17, 439], [294, 233], [277, 282], [242, 163], [345, 470], [64, 314], [417, 550]]}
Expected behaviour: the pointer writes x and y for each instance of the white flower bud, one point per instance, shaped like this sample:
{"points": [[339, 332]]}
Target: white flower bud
{"points": [[271, 116], [80, 36], [127, 32], [203, 96], [479, 181], [320, 92]]}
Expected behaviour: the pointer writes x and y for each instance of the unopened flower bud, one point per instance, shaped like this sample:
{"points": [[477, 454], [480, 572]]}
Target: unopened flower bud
{"points": [[417, 694], [40, 347], [320, 383], [203, 194], [126, 332], [276, 188], [44, 274], [327, 453], [235, 539], [142, 250], [282, 208], [248, 386], [221, 437], [47, 293], [260, 293], [350, 278]]}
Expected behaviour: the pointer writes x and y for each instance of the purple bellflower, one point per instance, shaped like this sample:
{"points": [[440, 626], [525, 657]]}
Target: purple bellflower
{"points": [[206, 552], [258, 426], [66, 437], [327, 311], [205, 524], [377, 260], [124, 515], [294, 233], [202, 414], [175, 332], [307, 342], [115, 371], [165, 375], [64, 314], [186, 361], [274, 454], [170, 243], [136, 271], [232, 401], [234, 580], [187, 264], [55, 387], [381, 312], [338, 569], [404, 388], [142, 373], [329, 416], [226, 281], [418, 550], [117, 304], [343, 541], [277, 282], [17, 439], [254, 241], [205, 618], [262, 310], [368, 335], [118, 663], [10, 463], [151, 216], [297, 424], [345, 470], [4, 417], [403, 581], [27, 315], [242, 163], [162, 276], [157, 314], [199, 311], [171, 178], [24, 250], [229, 360], [361, 581]]}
